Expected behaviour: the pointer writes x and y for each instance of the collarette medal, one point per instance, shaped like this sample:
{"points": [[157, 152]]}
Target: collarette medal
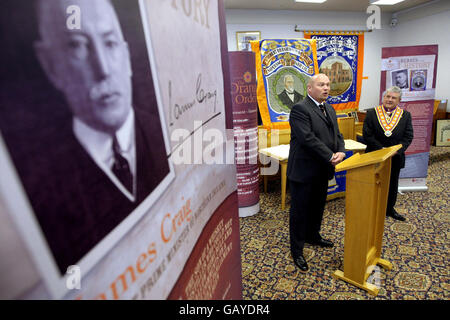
{"points": [[388, 123]]}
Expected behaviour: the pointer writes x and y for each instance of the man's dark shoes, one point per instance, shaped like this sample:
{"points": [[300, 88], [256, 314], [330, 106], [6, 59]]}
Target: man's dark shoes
{"points": [[394, 214], [324, 243], [300, 262]]}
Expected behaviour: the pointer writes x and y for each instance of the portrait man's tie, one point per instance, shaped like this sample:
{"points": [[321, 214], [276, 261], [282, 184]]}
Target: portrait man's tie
{"points": [[121, 168]]}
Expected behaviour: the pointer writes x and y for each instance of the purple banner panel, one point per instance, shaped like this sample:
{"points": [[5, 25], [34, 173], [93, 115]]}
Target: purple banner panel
{"points": [[245, 124]]}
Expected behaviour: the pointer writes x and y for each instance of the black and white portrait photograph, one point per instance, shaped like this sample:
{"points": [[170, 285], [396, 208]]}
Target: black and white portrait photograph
{"points": [[400, 78], [243, 39], [80, 120]]}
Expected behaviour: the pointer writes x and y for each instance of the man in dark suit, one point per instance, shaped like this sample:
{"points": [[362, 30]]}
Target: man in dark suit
{"points": [[316, 147], [388, 125], [289, 96], [106, 159]]}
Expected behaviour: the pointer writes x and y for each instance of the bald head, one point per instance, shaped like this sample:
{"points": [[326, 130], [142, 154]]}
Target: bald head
{"points": [[319, 87], [317, 77]]}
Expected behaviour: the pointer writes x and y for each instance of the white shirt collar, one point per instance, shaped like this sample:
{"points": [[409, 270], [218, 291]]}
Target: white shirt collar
{"points": [[317, 103], [98, 145]]}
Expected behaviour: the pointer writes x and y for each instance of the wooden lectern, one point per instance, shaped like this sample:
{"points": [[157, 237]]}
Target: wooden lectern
{"points": [[365, 211]]}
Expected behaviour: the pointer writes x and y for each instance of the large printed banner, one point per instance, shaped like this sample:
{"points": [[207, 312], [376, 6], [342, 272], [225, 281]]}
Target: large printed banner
{"points": [[245, 122], [283, 68], [111, 140], [413, 69], [340, 56]]}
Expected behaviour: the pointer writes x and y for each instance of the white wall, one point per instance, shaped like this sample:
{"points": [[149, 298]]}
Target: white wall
{"points": [[426, 25]]}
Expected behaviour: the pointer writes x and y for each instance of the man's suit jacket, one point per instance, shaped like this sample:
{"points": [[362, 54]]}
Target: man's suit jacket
{"points": [[75, 202], [375, 139], [314, 139], [283, 96]]}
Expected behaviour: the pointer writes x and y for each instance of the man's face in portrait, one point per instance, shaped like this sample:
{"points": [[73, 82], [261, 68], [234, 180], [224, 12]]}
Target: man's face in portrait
{"points": [[401, 79], [289, 84], [419, 81], [90, 66]]}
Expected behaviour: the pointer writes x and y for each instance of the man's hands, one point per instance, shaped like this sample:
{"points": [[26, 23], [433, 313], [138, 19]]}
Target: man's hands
{"points": [[337, 158]]}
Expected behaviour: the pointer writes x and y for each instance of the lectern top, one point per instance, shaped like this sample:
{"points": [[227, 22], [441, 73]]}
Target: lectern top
{"points": [[361, 160]]}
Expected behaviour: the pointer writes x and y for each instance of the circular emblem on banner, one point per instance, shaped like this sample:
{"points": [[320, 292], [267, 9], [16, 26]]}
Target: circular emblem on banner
{"points": [[247, 77], [339, 72]]}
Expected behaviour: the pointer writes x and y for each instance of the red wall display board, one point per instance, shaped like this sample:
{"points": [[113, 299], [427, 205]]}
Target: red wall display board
{"points": [[113, 131], [213, 272], [245, 120], [413, 69]]}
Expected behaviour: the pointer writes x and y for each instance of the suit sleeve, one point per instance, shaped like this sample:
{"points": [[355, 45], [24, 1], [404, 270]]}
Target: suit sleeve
{"points": [[300, 122], [369, 132], [339, 136], [408, 134], [341, 143]]}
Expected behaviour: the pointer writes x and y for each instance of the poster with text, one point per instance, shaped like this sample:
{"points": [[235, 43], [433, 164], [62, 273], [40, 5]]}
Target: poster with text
{"points": [[117, 168], [413, 69], [245, 122]]}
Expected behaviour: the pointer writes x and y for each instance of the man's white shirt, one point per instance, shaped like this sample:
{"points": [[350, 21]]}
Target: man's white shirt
{"points": [[317, 104], [291, 95], [98, 145]]}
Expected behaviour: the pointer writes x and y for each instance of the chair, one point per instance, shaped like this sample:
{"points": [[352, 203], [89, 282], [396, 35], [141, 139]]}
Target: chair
{"points": [[347, 127], [272, 137]]}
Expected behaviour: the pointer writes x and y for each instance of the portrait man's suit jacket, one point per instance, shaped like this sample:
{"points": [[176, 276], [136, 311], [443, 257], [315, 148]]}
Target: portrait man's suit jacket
{"points": [[283, 96], [314, 139], [402, 85], [75, 202], [375, 139]]}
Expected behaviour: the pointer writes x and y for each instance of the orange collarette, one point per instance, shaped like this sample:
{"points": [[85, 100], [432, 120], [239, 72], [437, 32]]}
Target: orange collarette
{"points": [[388, 123]]}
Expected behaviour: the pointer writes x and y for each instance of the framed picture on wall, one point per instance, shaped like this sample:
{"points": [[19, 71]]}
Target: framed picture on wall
{"points": [[243, 39], [443, 133], [353, 114]]}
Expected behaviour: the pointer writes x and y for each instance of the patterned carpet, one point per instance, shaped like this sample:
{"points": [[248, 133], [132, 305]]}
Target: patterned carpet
{"points": [[418, 248]]}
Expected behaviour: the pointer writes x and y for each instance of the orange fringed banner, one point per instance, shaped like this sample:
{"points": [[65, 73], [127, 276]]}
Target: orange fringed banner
{"points": [[340, 56], [283, 68]]}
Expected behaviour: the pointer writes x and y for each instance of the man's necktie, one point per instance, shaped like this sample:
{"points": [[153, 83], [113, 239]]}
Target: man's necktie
{"points": [[121, 167], [322, 108]]}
